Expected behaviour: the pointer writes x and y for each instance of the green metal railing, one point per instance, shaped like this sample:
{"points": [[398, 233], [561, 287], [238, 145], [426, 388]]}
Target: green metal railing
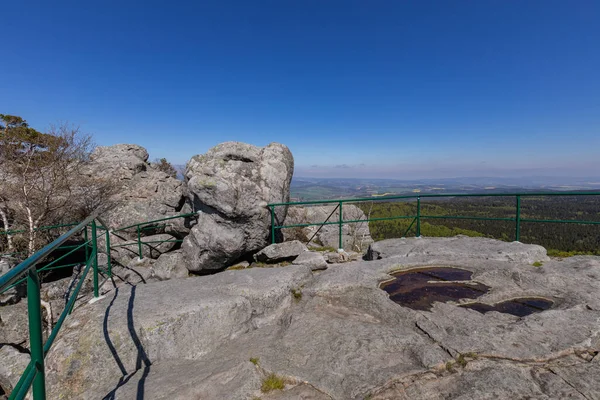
{"points": [[145, 226], [16, 254], [418, 217], [34, 375]]}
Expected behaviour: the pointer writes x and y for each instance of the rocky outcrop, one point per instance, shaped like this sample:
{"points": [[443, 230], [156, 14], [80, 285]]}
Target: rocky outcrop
{"points": [[143, 192], [138, 192], [337, 335], [355, 236], [230, 187]]}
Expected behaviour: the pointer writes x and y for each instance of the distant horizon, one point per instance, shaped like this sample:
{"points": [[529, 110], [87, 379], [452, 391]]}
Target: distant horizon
{"points": [[592, 179]]}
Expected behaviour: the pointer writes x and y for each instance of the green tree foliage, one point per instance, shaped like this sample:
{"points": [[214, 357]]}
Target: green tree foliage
{"points": [[560, 239]]}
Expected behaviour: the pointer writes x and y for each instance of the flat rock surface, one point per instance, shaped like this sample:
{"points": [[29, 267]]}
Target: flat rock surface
{"points": [[337, 335], [457, 247]]}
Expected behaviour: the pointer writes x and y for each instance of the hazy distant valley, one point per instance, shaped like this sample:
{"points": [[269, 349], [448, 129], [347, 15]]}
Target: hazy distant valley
{"points": [[333, 188]]}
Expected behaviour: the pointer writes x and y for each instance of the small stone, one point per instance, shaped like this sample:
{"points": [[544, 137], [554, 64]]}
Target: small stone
{"points": [[314, 260], [280, 252]]}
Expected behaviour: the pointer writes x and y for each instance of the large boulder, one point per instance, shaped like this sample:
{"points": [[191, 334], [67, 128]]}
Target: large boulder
{"points": [[355, 236], [230, 187]]}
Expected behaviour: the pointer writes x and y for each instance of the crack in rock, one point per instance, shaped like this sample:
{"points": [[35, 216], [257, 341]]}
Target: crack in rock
{"points": [[568, 383]]}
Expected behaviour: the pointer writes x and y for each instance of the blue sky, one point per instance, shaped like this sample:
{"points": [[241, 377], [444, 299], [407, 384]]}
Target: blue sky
{"points": [[403, 89]]}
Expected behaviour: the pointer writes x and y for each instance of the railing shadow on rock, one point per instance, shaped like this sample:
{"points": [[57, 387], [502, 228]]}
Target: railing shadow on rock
{"points": [[33, 376]]}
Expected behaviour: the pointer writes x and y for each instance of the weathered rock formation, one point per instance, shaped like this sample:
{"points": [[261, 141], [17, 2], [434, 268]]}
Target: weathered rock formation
{"points": [[355, 236], [144, 192], [337, 335], [139, 192], [230, 186]]}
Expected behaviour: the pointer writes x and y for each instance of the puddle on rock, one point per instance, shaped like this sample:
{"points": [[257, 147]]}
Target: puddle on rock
{"points": [[420, 288], [519, 307]]}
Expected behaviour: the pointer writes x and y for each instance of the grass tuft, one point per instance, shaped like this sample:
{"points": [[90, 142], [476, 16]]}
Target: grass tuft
{"points": [[537, 264], [297, 293], [272, 382], [323, 248]]}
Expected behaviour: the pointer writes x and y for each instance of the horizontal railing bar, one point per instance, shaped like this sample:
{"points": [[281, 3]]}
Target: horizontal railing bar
{"points": [[436, 195], [162, 241], [67, 308], [467, 217], [14, 274], [428, 217], [65, 255], [59, 267], [41, 228], [304, 225], [156, 220], [150, 242], [67, 247], [345, 222], [561, 221]]}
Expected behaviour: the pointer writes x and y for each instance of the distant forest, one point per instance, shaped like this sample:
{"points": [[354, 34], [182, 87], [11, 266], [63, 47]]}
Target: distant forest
{"points": [[560, 239]]}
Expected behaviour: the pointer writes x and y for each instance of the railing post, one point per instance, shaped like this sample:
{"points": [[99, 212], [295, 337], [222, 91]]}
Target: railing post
{"points": [[139, 243], [340, 223], [108, 259], [95, 257], [518, 219], [418, 216], [272, 224], [36, 342], [87, 250]]}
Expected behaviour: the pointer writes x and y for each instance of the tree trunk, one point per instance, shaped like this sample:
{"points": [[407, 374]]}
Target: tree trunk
{"points": [[31, 244], [9, 241]]}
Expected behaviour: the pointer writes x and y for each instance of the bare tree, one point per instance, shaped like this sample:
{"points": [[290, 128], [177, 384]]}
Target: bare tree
{"points": [[41, 172]]}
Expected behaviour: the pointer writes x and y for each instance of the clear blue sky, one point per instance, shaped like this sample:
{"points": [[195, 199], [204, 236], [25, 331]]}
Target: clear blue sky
{"points": [[354, 88]]}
